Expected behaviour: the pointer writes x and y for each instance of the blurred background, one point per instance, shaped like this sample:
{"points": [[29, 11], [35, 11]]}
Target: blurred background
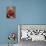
{"points": [[27, 12]]}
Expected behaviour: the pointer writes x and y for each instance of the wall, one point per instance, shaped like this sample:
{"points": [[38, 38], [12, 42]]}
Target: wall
{"points": [[31, 11]]}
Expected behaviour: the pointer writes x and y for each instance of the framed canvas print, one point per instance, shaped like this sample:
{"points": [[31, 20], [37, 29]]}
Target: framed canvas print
{"points": [[29, 33], [11, 12], [32, 32]]}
